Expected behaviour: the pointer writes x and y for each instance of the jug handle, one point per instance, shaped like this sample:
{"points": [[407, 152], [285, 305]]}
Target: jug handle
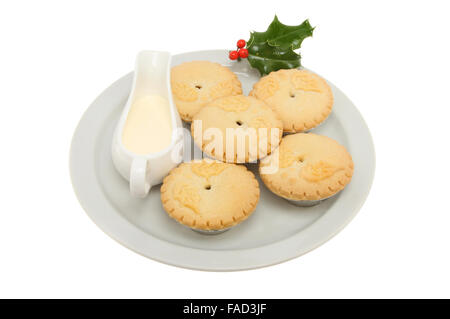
{"points": [[139, 185]]}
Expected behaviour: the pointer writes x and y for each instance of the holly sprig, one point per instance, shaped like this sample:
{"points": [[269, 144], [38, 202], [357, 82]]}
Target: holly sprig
{"points": [[273, 49]]}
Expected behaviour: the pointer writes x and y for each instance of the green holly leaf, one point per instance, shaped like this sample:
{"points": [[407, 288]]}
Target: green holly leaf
{"points": [[273, 49]]}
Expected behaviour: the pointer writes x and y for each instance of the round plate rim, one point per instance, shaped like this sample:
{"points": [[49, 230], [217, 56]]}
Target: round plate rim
{"points": [[102, 213]]}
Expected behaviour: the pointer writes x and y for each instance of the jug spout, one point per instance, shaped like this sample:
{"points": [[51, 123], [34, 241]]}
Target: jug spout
{"points": [[152, 74]]}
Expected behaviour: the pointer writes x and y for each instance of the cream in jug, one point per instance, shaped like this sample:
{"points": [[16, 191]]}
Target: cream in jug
{"points": [[148, 128]]}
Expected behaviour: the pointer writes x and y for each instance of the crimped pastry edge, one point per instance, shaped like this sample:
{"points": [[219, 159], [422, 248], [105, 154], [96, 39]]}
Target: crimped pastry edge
{"points": [[247, 156], [166, 201], [331, 189], [186, 116], [304, 126]]}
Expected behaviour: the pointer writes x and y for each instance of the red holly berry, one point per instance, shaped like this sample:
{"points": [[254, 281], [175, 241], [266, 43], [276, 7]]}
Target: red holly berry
{"points": [[241, 43], [233, 55], [243, 53]]}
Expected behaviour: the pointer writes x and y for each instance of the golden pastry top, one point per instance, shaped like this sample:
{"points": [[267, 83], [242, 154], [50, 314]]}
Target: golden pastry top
{"points": [[318, 171], [236, 103], [265, 88], [310, 167], [237, 119], [305, 81], [207, 168], [187, 195], [196, 83], [302, 99], [260, 122], [184, 92], [209, 195]]}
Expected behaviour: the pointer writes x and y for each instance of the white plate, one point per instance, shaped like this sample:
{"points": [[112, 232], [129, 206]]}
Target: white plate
{"points": [[277, 231]]}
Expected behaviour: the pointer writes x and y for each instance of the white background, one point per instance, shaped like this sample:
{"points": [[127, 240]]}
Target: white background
{"points": [[390, 57]]}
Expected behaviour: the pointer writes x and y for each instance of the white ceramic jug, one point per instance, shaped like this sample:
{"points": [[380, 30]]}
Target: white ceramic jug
{"points": [[151, 77]]}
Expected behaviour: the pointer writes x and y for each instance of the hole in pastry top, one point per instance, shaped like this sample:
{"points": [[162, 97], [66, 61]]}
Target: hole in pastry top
{"points": [[292, 95], [239, 123], [207, 187], [300, 159], [198, 87]]}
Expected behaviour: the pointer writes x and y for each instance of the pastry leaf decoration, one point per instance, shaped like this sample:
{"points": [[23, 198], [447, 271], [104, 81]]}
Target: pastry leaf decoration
{"points": [[273, 49]]}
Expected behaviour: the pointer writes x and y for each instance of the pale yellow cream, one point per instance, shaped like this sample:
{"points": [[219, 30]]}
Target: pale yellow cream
{"points": [[148, 128]]}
